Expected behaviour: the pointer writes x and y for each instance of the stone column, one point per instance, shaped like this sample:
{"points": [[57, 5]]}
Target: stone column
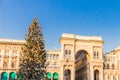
{"points": [[17, 63], [17, 60], [111, 77], [62, 73], [91, 72], [108, 77], [105, 76], [2, 58], [91, 55], [74, 49], [10, 59], [101, 74], [116, 76], [88, 71], [72, 72], [62, 51]]}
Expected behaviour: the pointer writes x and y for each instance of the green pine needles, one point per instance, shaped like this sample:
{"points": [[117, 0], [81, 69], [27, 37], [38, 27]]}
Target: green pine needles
{"points": [[33, 58]]}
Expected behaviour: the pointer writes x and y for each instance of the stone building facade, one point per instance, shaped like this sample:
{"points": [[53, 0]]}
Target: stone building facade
{"points": [[112, 65], [9, 58], [79, 58]]}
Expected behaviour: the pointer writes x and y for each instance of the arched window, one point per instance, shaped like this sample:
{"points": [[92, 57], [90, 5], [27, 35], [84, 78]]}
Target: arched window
{"points": [[113, 66], [12, 65], [108, 66], [65, 55], [69, 51], [108, 59], [96, 75], [69, 54], [47, 56], [66, 51], [5, 65], [50, 56], [97, 54], [54, 56], [67, 74], [57, 56]]}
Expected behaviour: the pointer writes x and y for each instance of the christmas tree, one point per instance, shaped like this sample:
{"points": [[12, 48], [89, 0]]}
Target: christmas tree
{"points": [[33, 58]]}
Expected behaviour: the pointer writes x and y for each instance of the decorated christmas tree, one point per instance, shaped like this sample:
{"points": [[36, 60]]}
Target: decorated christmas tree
{"points": [[33, 55]]}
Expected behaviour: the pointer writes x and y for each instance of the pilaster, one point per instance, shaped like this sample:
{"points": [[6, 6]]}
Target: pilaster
{"points": [[62, 75]]}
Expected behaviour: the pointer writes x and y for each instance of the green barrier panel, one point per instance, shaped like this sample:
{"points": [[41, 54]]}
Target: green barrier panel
{"points": [[55, 76], [48, 75], [12, 76], [4, 76], [20, 76], [41, 75]]}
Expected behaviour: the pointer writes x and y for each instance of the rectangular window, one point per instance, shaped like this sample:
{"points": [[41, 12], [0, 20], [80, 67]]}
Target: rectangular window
{"points": [[14, 53], [6, 53], [94, 55]]}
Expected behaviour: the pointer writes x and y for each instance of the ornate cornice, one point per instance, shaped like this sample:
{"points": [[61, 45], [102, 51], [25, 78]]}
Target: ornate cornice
{"points": [[73, 37], [11, 41]]}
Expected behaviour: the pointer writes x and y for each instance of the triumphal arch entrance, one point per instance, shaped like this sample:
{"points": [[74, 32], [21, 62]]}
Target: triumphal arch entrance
{"points": [[81, 57], [82, 65]]}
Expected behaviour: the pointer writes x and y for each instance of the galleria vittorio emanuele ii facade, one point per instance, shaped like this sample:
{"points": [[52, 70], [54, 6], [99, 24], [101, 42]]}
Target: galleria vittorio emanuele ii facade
{"points": [[79, 58]]}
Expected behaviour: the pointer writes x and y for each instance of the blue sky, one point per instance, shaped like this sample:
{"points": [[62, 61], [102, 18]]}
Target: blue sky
{"points": [[81, 17]]}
